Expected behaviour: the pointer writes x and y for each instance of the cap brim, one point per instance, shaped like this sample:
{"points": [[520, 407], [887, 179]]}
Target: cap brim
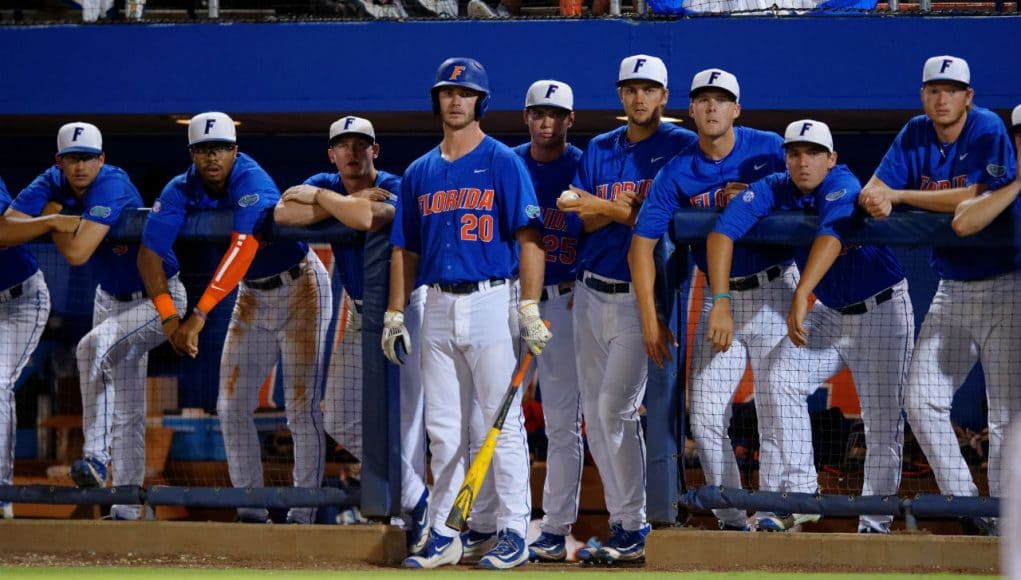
{"points": [[947, 80], [800, 141], [370, 138], [623, 82], [550, 105], [91, 150], [693, 92], [471, 86], [213, 140]]}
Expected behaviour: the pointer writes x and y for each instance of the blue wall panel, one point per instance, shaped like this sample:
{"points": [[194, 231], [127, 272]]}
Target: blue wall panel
{"points": [[785, 64]]}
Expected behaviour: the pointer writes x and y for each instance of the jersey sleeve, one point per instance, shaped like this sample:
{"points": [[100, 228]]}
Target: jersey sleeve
{"points": [[518, 205], [391, 183], [165, 220], [747, 208], [253, 197], [107, 198], [893, 169], [837, 206], [661, 202], [992, 157], [407, 229], [32, 199], [319, 180]]}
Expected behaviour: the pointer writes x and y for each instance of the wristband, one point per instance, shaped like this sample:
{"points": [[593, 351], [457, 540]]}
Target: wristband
{"points": [[165, 306], [721, 295], [171, 317], [198, 313]]}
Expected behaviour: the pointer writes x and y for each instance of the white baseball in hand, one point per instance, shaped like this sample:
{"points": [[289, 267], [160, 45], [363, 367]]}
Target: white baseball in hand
{"points": [[568, 195]]}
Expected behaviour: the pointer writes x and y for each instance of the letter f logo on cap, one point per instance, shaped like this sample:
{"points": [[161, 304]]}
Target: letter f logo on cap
{"points": [[456, 72], [713, 76], [804, 128], [77, 133], [348, 122], [946, 64], [639, 63], [550, 90], [209, 125]]}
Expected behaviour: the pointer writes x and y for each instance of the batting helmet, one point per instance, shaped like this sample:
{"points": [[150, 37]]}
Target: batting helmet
{"points": [[462, 72]]}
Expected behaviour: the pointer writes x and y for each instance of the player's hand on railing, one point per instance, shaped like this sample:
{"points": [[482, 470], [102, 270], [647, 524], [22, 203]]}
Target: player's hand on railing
{"points": [[63, 224], [534, 330], [878, 200], [720, 331], [373, 194], [396, 340], [731, 189], [658, 341], [796, 320]]}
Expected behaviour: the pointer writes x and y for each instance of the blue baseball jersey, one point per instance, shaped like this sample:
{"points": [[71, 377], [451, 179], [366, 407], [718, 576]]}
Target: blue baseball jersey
{"points": [[114, 265], [693, 180], [461, 217], [610, 165], [860, 271], [349, 261], [560, 230], [16, 262], [981, 155], [250, 193]]}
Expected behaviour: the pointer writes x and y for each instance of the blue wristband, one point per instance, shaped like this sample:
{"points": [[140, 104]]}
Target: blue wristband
{"points": [[721, 295]]}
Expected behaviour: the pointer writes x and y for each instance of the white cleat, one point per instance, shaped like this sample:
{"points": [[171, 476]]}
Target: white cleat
{"points": [[440, 551]]}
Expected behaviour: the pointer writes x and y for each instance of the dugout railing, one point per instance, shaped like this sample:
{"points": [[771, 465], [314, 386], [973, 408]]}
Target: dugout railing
{"points": [[671, 488]]}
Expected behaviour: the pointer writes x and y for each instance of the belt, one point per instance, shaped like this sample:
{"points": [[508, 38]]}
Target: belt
{"points": [[129, 297], [469, 287], [867, 304], [757, 279], [605, 287], [554, 290], [12, 293], [274, 282]]}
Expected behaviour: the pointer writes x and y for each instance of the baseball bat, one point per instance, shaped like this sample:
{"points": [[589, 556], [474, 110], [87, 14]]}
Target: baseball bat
{"points": [[480, 466]]}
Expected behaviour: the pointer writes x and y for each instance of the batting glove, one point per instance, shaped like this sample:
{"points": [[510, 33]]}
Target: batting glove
{"points": [[396, 341], [533, 330]]}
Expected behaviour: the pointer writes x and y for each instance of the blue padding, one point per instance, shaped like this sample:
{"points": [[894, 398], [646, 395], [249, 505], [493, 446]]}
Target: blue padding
{"points": [[848, 63], [945, 506], [710, 497], [216, 225], [53, 494], [254, 497], [909, 229]]}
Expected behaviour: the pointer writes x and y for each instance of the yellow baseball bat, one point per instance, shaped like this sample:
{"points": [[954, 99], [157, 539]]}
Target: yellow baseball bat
{"points": [[477, 472]]}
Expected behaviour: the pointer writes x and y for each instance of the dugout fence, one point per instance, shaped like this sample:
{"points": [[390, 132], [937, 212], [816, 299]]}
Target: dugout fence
{"points": [[189, 469]]}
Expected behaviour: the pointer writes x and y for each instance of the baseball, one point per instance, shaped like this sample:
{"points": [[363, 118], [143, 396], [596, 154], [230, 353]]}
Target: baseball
{"points": [[568, 195]]}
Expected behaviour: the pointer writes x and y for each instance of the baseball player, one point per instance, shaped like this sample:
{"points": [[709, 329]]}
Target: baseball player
{"points": [[282, 310], [24, 308], [862, 319], [950, 154], [707, 174], [618, 168], [113, 356], [363, 198], [461, 209], [552, 163]]}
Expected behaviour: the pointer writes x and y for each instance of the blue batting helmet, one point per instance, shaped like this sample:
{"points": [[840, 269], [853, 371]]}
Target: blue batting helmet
{"points": [[462, 72]]}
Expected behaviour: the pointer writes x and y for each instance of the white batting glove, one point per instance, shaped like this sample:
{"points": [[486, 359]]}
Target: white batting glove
{"points": [[396, 340], [533, 329]]}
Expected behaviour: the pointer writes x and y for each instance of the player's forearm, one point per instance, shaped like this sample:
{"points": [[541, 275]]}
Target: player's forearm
{"points": [[945, 201], [78, 247], [231, 270], [354, 212], [825, 250], [292, 213], [150, 268], [532, 263], [403, 271], [643, 277], [720, 254], [14, 231], [382, 215], [973, 215]]}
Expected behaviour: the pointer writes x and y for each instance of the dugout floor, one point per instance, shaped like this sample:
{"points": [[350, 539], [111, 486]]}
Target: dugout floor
{"points": [[680, 549]]}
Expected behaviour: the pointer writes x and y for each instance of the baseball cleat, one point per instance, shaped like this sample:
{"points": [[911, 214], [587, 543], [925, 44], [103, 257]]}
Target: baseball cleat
{"points": [[784, 522], [6, 510], [418, 526], [979, 526], [548, 548], [475, 544], [735, 527], [624, 546], [509, 552], [586, 553], [439, 551], [88, 472]]}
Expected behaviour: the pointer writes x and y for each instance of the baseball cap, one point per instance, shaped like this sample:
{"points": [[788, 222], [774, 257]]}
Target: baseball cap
{"points": [[946, 68], [715, 78], [550, 93], [79, 138], [808, 131], [352, 125], [1015, 118], [642, 67], [211, 127]]}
